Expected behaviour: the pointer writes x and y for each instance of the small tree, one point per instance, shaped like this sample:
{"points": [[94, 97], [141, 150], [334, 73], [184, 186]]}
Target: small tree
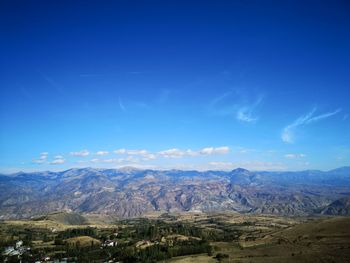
{"points": [[221, 256]]}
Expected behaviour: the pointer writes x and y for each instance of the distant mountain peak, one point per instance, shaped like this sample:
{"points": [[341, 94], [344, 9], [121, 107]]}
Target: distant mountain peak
{"points": [[240, 170], [82, 169], [344, 169]]}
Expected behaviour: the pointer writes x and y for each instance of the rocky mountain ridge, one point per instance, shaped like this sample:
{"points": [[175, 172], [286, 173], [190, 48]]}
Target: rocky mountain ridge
{"points": [[130, 192]]}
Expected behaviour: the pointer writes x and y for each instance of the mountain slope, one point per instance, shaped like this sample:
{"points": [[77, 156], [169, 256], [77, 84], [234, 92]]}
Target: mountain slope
{"points": [[133, 192], [338, 207]]}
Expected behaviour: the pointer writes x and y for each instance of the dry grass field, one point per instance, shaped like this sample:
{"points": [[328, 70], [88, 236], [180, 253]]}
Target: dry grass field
{"points": [[275, 239]]}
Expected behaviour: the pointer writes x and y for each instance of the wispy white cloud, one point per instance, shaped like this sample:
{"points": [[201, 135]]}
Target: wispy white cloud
{"points": [[132, 106], [58, 87], [136, 152], [222, 99], [42, 158], [177, 153], [144, 154], [172, 153], [120, 151], [233, 103], [322, 116], [131, 152], [213, 150], [121, 104], [128, 159], [243, 114], [242, 150], [81, 153], [288, 132], [191, 153], [58, 159], [149, 156], [110, 160], [132, 155], [246, 113], [102, 153], [131, 159], [294, 155]]}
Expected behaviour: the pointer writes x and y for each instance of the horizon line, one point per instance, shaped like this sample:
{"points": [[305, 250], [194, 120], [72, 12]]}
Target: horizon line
{"points": [[168, 169]]}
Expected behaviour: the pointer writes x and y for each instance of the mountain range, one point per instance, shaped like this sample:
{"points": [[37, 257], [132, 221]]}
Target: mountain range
{"points": [[130, 192]]}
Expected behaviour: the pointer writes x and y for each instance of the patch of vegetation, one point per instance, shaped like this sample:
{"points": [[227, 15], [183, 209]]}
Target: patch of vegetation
{"points": [[213, 238]]}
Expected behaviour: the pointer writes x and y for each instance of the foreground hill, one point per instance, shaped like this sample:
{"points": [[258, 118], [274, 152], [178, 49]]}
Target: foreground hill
{"points": [[317, 240], [132, 192], [65, 218]]}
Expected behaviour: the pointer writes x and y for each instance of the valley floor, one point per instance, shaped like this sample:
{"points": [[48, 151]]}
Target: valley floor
{"points": [[181, 238]]}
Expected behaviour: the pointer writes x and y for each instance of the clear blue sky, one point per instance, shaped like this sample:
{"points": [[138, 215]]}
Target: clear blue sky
{"points": [[174, 84]]}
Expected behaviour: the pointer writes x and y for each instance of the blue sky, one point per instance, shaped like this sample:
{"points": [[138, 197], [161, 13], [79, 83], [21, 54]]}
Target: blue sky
{"points": [[174, 84]]}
